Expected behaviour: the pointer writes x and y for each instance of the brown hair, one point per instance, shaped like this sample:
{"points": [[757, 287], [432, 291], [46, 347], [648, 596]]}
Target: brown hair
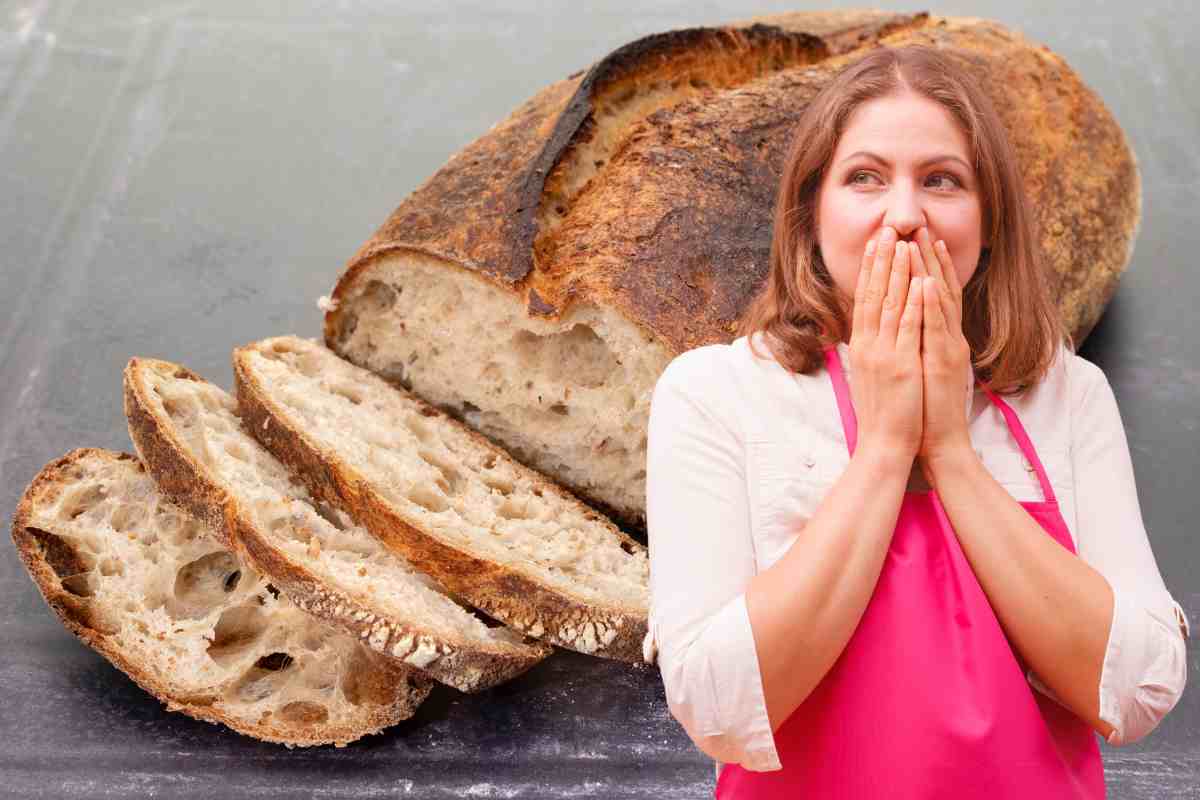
{"points": [[1010, 320]]}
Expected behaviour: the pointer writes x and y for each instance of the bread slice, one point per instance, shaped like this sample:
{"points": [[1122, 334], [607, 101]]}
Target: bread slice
{"points": [[152, 589], [539, 282], [191, 439], [494, 531]]}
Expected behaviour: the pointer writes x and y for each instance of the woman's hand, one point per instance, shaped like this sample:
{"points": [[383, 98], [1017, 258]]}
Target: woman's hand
{"points": [[885, 351], [945, 354]]}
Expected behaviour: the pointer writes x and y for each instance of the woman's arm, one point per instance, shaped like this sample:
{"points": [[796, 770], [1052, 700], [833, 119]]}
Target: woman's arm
{"points": [[740, 651], [1092, 627], [1145, 661], [807, 605], [1054, 608], [701, 559]]}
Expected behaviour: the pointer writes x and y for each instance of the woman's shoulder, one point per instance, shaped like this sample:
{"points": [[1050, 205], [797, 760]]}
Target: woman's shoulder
{"points": [[730, 382], [1070, 379], [1080, 375]]}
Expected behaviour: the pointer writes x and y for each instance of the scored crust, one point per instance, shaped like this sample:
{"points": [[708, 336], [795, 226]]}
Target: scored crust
{"points": [[91, 529], [522, 583], [626, 210], [468, 662]]}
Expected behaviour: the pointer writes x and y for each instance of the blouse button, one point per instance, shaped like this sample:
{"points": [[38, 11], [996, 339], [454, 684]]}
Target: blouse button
{"points": [[809, 462]]}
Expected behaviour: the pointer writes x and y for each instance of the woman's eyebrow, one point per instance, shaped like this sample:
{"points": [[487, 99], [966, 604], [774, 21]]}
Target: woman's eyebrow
{"points": [[925, 163]]}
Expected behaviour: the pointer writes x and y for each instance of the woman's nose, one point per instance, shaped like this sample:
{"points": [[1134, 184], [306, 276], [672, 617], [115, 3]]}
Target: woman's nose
{"points": [[904, 212]]}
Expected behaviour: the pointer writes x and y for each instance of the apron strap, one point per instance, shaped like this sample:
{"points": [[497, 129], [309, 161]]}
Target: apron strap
{"points": [[1018, 431]]}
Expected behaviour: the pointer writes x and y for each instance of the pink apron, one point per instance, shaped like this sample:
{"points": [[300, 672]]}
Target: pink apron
{"points": [[928, 700]]}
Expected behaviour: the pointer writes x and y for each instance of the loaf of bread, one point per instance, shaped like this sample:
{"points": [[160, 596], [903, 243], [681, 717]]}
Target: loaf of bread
{"points": [[191, 439], [538, 283], [450, 502], [153, 589]]}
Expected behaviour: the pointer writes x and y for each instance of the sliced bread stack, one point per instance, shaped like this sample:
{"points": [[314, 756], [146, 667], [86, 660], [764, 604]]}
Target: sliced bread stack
{"points": [[302, 561]]}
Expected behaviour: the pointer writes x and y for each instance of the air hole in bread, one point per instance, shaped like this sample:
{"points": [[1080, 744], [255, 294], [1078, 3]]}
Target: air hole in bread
{"points": [[82, 501], [302, 712], [81, 585], [361, 683], [396, 372], [236, 632], [514, 508], [429, 499], [180, 530], [418, 428], [329, 514], [126, 515], [497, 483], [576, 357], [203, 583], [351, 393], [174, 407], [265, 678], [285, 525], [209, 402], [380, 296], [236, 449], [63, 558], [274, 662], [451, 481]]}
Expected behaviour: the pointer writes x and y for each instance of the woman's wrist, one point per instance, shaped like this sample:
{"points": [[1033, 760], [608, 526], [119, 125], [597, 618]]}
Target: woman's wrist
{"points": [[885, 457]]}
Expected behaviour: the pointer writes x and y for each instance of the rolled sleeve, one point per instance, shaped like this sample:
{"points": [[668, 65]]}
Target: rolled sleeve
{"points": [[1145, 668], [1145, 661], [715, 691], [701, 560]]}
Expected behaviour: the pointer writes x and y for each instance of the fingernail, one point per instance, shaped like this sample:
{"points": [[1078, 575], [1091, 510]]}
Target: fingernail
{"points": [[888, 234]]}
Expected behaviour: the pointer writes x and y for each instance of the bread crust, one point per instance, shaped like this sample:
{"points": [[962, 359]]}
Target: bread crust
{"points": [[513, 596], [466, 665], [674, 231], [49, 558]]}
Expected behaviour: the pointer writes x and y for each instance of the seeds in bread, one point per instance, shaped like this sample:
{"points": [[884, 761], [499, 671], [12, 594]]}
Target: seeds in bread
{"points": [[192, 441], [150, 587], [457, 506]]}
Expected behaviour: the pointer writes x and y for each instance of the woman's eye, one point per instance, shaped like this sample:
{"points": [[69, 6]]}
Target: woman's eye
{"points": [[945, 175], [948, 176]]}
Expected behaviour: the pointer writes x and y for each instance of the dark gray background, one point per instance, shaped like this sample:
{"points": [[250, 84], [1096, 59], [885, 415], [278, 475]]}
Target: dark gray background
{"points": [[180, 179]]}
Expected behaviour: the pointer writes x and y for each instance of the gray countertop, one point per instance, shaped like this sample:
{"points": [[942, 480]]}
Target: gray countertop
{"points": [[181, 179]]}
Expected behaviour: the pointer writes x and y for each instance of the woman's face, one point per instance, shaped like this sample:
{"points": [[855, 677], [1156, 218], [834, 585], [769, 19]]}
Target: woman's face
{"points": [[903, 187]]}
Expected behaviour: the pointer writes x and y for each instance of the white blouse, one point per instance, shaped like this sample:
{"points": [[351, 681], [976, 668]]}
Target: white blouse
{"points": [[740, 454]]}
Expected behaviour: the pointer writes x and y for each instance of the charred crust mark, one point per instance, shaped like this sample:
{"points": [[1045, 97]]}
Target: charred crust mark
{"points": [[538, 306]]}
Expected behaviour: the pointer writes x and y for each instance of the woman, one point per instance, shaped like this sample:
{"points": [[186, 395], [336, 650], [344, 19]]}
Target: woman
{"points": [[872, 575]]}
